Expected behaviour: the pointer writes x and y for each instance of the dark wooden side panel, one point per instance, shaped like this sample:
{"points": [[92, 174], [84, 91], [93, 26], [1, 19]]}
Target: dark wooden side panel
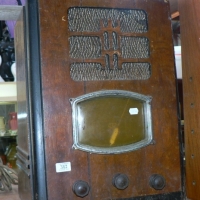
{"points": [[58, 87], [190, 42], [23, 140]]}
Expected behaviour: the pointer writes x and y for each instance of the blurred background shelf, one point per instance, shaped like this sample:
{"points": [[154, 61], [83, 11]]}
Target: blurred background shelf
{"points": [[8, 92]]}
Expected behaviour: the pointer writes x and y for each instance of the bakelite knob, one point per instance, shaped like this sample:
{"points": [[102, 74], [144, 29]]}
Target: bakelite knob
{"points": [[157, 182], [120, 181], [81, 188]]}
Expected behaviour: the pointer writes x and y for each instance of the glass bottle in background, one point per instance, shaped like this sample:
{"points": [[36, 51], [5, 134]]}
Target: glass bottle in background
{"points": [[12, 123]]}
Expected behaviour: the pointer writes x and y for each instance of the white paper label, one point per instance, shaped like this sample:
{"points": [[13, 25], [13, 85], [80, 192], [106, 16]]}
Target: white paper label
{"points": [[133, 111], [63, 167]]}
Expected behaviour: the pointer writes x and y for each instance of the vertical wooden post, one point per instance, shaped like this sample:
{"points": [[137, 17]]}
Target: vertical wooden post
{"points": [[190, 41]]}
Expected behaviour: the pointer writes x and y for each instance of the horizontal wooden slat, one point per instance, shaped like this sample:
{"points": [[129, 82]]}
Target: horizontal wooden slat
{"points": [[175, 14]]}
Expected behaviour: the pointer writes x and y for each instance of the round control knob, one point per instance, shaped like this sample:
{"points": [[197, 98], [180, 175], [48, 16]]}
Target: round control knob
{"points": [[120, 181], [81, 188], [157, 182]]}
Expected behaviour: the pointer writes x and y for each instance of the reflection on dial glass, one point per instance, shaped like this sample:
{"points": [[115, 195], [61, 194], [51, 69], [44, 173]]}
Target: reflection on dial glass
{"points": [[111, 121], [106, 121]]}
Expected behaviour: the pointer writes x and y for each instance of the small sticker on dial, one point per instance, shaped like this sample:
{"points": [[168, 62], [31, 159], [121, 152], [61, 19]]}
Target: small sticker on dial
{"points": [[63, 167], [133, 111]]}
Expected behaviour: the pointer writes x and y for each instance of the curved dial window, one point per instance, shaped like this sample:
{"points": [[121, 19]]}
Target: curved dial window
{"points": [[111, 121]]}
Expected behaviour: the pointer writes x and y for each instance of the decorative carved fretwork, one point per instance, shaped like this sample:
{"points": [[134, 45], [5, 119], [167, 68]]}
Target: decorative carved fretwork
{"points": [[134, 47], [88, 19], [85, 47], [95, 72], [103, 47]]}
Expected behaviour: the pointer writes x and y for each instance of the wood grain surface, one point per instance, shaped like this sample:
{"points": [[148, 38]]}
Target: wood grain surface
{"points": [[58, 87], [190, 43]]}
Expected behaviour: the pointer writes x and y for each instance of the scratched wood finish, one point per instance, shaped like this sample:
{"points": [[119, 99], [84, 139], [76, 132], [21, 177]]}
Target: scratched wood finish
{"points": [[190, 42], [58, 87]]}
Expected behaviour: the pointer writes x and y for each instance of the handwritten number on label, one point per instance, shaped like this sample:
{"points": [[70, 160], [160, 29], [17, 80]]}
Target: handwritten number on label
{"points": [[63, 167]]}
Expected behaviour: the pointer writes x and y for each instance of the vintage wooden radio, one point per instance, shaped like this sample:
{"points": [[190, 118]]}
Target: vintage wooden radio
{"points": [[109, 100]]}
